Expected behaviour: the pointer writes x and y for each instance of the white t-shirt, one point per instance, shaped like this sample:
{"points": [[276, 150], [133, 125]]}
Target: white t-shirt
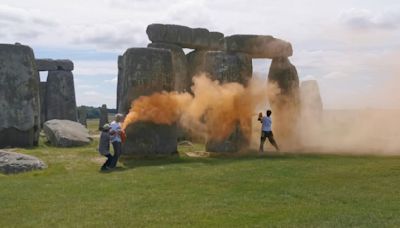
{"points": [[266, 123], [115, 129]]}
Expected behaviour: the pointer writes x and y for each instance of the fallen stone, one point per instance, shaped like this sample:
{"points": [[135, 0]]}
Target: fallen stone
{"points": [[11, 162], [258, 46], [20, 99], [60, 96], [66, 133]]}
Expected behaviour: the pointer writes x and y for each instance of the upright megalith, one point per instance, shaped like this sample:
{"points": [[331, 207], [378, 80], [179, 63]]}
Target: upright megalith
{"points": [[179, 65], [120, 81], [82, 115], [42, 92], [224, 67], [19, 96], [60, 96], [103, 116], [258, 46], [185, 37], [285, 101], [311, 102], [147, 70]]}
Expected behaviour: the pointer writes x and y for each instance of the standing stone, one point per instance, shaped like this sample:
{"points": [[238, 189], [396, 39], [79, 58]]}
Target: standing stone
{"points": [[82, 115], [179, 64], [285, 104], [103, 116], [42, 92], [19, 96], [258, 46], [120, 81], [60, 96], [148, 70], [311, 102], [224, 67]]}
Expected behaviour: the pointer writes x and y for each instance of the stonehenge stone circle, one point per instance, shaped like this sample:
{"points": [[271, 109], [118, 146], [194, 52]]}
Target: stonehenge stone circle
{"points": [[147, 70], [224, 67], [103, 116], [258, 46], [179, 64], [42, 92], [185, 37], [82, 115], [19, 96], [119, 82], [286, 104], [51, 64], [60, 96]]}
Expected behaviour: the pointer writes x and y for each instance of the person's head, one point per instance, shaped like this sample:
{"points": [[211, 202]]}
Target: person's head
{"points": [[105, 127], [269, 112], [119, 117]]}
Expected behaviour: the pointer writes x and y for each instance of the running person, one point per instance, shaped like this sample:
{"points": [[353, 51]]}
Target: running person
{"points": [[266, 131]]}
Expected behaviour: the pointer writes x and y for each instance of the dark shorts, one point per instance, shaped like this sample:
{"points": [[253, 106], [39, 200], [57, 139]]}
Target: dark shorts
{"points": [[266, 134]]}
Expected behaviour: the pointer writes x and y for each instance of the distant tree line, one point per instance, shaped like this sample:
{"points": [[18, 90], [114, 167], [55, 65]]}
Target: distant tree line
{"points": [[94, 112]]}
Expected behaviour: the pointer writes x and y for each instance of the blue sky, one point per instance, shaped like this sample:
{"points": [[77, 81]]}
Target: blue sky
{"points": [[350, 47]]}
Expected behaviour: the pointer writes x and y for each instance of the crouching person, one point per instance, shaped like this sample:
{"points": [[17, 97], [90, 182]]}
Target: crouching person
{"points": [[104, 147]]}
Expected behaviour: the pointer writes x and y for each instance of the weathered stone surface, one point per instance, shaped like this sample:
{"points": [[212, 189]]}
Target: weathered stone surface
{"points": [[64, 64], [224, 67], [60, 96], [42, 92], [258, 46], [145, 139], [103, 116], [311, 102], [54, 64], [285, 105], [19, 96], [196, 38], [66, 133], [179, 64], [46, 64], [221, 66], [11, 162], [147, 70], [82, 115], [120, 81]]}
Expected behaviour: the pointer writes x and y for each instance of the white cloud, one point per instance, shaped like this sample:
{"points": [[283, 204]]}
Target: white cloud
{"points": [[365, 19], [113, 81], [95, 67]]}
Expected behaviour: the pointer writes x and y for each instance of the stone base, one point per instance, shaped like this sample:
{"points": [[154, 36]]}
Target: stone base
{"points": [[12, 137], [144, 139], [234, 143]]}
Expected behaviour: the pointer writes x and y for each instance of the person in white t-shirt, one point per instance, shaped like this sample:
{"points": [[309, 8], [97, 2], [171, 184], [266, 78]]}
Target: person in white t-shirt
{"points": [[266, 131], [115, 138]]}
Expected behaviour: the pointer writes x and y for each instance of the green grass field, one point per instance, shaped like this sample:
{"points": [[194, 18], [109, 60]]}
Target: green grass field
{"points": [[281, 191]]}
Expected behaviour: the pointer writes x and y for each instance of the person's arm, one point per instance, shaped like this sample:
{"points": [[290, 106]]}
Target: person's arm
{"points": [[260, 117]]}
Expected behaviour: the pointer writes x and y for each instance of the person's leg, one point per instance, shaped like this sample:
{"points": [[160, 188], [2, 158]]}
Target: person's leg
{"points": [[262, 141], [117, 152], [109, 160], [272, 141]]}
